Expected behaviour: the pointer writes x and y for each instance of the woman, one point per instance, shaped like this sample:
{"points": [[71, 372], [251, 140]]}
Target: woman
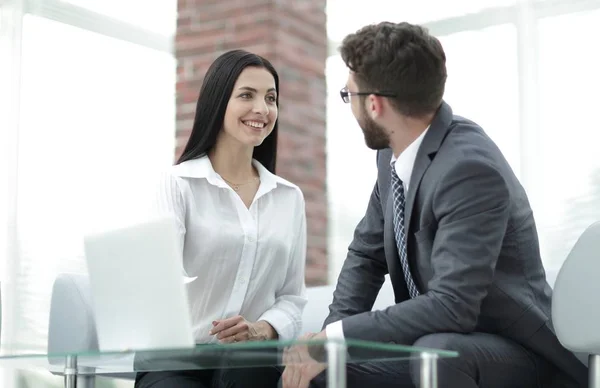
{"points": [[242, 228]]}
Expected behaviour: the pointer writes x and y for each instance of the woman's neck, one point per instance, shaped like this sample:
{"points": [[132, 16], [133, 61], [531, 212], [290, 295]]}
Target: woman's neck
{"points": [[232, 161]]}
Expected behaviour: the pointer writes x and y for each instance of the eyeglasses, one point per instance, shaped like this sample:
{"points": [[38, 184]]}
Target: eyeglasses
{"points": [[345, 94]]}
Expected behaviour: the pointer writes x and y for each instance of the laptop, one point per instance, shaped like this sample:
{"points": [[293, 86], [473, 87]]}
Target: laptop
{"points": [[138, 292]]}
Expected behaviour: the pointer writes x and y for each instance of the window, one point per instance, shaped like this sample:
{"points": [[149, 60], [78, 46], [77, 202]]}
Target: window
{"points": [[156, 16], [483, 84], [96, 122], [346, 16], [539, 119], [6, 75], [569, 81], [351, 168]]}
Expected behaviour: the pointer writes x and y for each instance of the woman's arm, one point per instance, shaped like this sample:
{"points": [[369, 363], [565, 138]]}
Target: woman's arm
{"points": [[285, 316], [168, 201]]}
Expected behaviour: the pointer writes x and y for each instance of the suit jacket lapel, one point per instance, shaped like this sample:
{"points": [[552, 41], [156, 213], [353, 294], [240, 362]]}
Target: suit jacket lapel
{"points": [[431, 143], [388, 233]]}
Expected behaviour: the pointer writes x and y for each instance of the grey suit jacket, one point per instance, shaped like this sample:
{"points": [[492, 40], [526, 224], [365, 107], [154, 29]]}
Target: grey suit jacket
{"points": [[472, 248]]}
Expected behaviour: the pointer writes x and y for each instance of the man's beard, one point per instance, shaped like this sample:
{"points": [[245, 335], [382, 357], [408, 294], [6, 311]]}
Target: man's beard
{"points": [[375, 136]]}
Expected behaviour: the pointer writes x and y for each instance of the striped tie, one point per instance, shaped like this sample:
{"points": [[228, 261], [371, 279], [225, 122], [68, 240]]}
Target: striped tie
{"points": [[399, 232]]}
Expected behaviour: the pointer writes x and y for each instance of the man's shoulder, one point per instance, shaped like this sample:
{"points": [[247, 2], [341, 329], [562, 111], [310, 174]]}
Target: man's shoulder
{"points": [[466, 142]]}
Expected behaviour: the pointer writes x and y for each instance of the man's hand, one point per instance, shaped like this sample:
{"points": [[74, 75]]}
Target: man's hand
{"points": [[238, 329], [300, 367]]}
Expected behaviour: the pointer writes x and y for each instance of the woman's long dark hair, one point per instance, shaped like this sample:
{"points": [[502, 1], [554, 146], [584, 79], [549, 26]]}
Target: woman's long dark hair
{"points": [[212, 103]]}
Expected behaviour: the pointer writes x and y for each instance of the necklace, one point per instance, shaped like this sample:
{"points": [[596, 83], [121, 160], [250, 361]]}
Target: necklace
{"points": [[236, 186]]}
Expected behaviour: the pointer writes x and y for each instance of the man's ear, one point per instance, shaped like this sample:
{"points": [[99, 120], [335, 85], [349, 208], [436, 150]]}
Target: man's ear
{"points": [[374, 106]]}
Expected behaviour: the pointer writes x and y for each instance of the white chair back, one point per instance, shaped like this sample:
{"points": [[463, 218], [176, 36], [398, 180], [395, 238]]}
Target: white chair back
{"points": [[575, 305]]}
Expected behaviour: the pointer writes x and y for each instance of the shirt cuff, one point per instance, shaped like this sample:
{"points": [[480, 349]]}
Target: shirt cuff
{"points": [[335, 331], [281, 322]]}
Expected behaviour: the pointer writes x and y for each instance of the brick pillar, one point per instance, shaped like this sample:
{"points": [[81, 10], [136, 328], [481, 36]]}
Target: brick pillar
{"points": [[292, 35]]}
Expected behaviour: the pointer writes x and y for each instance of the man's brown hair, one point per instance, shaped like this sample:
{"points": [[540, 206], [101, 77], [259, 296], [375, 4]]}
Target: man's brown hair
{"points": [[401, 59]]}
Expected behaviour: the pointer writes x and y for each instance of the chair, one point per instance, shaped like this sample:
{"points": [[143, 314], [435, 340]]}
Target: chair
{"points": [[575, 307], [72, 327]]}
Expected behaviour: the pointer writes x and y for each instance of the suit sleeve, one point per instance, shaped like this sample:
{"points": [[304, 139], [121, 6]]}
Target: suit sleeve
{"points": [[471, 207], [364, 269]]}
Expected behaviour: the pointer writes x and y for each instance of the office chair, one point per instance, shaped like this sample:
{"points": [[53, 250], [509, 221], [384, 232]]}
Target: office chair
{"points": [[575, 306]]}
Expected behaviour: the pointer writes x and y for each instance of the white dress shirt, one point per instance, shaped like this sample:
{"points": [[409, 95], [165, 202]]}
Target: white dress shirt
{"points": [[404, 166], [243, 261]]}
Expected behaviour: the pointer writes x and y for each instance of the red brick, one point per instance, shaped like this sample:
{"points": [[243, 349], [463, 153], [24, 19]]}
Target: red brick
{"points": [[292, 35]]}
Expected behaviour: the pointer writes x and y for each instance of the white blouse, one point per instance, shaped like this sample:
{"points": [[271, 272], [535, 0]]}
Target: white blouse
{"points": [[243, 261]]}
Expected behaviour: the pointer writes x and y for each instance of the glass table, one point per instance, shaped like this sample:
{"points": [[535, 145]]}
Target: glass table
{"points": [[336, 354]]}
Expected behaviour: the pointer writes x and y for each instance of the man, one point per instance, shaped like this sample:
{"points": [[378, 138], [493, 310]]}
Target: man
{"points": [[452, 226]]}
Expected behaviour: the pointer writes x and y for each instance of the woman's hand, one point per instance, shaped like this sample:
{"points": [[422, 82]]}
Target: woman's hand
{"points": [[238, 329]]}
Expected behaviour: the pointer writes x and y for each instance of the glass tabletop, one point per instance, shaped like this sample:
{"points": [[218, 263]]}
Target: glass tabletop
{"points": [[208, 356]]}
